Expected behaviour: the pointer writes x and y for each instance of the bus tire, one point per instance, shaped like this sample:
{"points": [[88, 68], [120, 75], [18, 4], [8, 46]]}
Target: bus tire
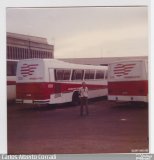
{"points": [[75, 99]]}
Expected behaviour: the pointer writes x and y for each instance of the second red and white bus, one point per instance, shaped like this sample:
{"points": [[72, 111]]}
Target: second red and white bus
{"points": [[50, 81], [128, 81]]}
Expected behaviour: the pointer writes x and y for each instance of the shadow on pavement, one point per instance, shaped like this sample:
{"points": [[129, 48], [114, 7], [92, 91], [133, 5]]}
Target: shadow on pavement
{"points": [[130, 105], [47, 107]]}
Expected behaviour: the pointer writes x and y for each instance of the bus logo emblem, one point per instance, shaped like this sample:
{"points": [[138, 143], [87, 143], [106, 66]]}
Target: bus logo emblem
{"points": [[28, 69], [123, 69]]}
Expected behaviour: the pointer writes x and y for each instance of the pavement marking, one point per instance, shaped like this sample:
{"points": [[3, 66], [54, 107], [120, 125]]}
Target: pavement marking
{"points": [[123, 119]]}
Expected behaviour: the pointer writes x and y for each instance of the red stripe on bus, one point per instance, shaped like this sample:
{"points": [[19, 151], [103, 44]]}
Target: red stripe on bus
{"points": [[33, 91], [124, 69], [11, 82], [43, 90], [26, 70], [118, 65], [127, 88], [119, 72]]}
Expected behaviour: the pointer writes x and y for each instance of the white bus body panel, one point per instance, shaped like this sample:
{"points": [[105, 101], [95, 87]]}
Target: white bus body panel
{"points": [[30, 71]]}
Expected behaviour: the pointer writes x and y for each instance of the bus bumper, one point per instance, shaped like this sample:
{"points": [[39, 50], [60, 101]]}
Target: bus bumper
{"points": [[28, 101]]}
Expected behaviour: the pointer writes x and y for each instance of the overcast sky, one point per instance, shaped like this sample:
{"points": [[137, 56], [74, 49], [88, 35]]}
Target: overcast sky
{"points": [[87, 31]]}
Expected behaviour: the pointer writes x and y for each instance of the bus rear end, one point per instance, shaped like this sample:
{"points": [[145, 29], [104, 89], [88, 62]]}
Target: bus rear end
{"points": [[32, 86], [127, 81]]}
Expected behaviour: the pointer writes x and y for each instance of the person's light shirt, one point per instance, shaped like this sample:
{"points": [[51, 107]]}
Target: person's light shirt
{"points": [[83, 92]]}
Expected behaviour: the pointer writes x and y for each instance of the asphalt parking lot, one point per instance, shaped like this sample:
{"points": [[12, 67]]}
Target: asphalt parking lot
{"points": [[109, 128]]}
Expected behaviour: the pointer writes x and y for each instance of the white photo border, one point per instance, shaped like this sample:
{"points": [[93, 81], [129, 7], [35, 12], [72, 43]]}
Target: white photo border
{"points": [[4, 4]]}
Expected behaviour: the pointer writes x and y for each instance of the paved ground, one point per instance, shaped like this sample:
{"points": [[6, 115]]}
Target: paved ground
{"points": [[110, 128]]}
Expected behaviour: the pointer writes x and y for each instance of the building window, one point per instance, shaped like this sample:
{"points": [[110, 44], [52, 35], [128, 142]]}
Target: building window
{"points": [[39, 54], [14, 52], [50, 54], [19, 53], [36, 54], [45, 54], [27, 53], [31, 53], [42, 54], [23, 53], [8, 54]]}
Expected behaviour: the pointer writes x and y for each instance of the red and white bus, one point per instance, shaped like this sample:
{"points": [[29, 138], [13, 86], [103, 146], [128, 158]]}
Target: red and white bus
{"points": [[128, 81], [11, 79], [50, 81]]}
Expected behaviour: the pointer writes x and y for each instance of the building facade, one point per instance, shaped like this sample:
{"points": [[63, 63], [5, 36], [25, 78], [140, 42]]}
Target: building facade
{"points": [[23, 47]]}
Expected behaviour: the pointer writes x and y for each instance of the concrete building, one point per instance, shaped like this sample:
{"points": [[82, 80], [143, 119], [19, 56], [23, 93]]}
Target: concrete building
{"points": [[21, 46]]}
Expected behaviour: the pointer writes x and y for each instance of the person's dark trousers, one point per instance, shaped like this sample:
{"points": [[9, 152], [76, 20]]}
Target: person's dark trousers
{"points": [[84, 102]]}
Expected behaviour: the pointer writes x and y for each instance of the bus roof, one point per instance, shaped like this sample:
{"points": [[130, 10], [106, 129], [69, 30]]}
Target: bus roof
{"points": [[131, 60], [54, 63]]}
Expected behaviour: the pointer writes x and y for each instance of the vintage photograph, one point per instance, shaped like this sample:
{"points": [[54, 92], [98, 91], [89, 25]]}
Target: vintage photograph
{"points": [[77, 80]]}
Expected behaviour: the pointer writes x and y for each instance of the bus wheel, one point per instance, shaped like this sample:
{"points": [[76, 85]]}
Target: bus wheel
{"points": [[75, 99]]}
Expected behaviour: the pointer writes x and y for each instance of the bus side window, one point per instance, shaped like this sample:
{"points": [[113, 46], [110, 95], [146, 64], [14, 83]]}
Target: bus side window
{"points": [[77, 74], [61, 74], [67, 74], [87, 73], [99, 74], [92, 74], [106, 74]]}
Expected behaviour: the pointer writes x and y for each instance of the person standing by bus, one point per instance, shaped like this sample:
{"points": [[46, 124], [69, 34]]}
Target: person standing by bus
{"points": [[84, 99]]}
